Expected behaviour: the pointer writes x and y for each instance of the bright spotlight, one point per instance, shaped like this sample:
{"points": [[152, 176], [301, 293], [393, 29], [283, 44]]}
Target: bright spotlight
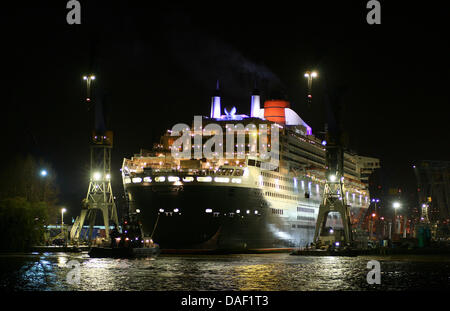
{"points": [[306, 75], [63, 210], [44, 173], [97, 176], [332, 178], [92, 77], [396, 205], [314, 74], [84, 78]]}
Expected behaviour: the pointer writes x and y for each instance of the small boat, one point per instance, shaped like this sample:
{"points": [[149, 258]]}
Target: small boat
{"points": [[124, 252], [127, 244]]}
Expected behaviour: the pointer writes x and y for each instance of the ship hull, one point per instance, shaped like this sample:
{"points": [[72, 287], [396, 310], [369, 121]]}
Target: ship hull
{"points": [[239, 219]]}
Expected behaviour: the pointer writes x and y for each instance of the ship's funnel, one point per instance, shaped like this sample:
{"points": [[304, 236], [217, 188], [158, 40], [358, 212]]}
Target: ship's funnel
{"points": [[215, 103], [255, 108], [274, 110]]}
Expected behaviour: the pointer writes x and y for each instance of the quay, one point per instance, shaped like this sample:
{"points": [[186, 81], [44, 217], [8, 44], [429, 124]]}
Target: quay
{"points": [[56, 249], [374, 251]]}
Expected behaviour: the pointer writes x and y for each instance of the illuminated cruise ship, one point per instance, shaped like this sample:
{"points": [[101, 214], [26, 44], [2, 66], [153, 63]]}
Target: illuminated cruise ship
{"points": [[234, 203]]}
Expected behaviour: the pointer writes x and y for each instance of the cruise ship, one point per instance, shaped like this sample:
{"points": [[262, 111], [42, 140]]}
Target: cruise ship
{"points": [[238, 202]]}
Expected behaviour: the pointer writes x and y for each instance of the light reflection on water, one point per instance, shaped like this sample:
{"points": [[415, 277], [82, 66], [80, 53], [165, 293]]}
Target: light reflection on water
{"points": [[270, 272]]}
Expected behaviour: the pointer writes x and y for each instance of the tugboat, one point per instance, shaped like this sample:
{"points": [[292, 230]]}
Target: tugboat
{"points": [[129, 244]]}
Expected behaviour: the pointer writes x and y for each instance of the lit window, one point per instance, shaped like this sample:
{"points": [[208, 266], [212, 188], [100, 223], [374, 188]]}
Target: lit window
{"points": [[137, 180], [221, 179], [188, 179], [173, 178], [160, 179], [204, 179], [147, 179]]}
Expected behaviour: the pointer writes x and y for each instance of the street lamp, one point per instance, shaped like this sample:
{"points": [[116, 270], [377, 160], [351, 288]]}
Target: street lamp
{"points": [[396, 206], [88, 80], [63, 210], [42, 183], [371, 221], [310, 75], [375, 201]]}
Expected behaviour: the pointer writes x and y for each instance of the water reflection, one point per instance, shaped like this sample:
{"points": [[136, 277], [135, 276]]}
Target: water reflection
{"points": [[256, 277], [232, 272]]}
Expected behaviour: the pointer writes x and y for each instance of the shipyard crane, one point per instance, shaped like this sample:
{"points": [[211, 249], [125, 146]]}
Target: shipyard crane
{"points": [[333, 199], [99, 196]]}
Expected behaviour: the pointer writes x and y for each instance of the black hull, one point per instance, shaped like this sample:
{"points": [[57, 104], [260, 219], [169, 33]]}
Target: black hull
{"points": [[255, 229]]}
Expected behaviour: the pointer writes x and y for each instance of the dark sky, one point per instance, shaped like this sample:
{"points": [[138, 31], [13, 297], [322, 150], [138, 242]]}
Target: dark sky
{"points": [[158, 65]]}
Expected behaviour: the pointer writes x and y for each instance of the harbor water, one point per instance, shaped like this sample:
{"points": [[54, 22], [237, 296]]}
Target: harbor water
{"points": [[246, 272]]}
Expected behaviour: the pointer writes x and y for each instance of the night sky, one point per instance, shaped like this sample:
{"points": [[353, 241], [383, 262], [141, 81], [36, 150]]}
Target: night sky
{"points": [[158, 65]]}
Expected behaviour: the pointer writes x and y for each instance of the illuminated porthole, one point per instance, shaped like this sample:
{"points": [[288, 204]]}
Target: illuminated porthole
{"points": [[204, 179], [136, 180]]}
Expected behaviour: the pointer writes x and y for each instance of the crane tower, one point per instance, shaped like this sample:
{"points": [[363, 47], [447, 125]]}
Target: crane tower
{"points": [[333, 198], [99, 196]]}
